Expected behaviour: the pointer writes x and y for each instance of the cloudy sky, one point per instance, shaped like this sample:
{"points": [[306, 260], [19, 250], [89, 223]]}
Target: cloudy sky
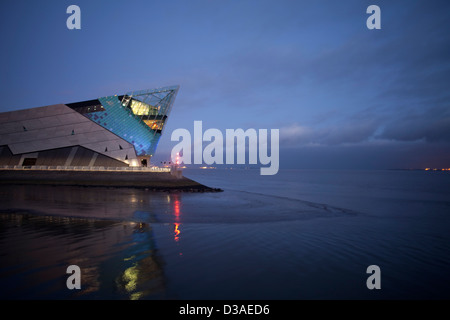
{"points": [[343, 96]]}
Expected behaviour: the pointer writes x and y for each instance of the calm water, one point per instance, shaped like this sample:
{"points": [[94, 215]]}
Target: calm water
{"points": [[297, 235]]}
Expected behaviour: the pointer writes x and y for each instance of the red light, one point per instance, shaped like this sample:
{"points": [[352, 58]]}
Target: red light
{"points": [[176, 212], [176, 208]]}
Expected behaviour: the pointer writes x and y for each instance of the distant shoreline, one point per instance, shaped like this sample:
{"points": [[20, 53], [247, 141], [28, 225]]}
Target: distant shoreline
{"points": [[154, 181]]}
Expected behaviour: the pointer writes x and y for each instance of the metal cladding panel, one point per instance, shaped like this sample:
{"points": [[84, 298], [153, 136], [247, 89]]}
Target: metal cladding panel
{"points": [[9, 127], [45, 131], [121, 127]]}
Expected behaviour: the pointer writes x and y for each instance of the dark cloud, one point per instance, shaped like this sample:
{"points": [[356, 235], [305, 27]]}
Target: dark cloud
{"points": [[344, 133], [432, 125], [311, 69], [404, 155]]}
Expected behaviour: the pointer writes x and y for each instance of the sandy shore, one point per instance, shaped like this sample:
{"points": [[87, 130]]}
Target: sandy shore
{"points": [[157, 181]]}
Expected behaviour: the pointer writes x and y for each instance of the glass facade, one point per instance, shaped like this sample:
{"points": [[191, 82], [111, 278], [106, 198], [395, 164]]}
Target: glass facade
{"points": [[137, 117]]}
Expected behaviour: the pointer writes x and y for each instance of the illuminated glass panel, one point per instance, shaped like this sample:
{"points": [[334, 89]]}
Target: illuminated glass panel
{"points": [[140, 108], [154, 124], [137, 117]]}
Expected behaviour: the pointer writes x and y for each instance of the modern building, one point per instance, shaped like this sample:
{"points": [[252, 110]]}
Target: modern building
{"points": [[113, 131]]}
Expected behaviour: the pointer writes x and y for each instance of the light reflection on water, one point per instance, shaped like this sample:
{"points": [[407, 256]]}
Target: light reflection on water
{"points": [[117, 259], [44, 230], [174, 198], [134, 244]]}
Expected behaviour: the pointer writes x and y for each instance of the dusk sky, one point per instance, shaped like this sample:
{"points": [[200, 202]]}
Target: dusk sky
{"points": [[343, 96]]}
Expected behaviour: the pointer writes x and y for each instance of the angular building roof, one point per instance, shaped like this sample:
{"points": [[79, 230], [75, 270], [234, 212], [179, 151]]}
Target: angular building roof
{"points": [[138, 117]]}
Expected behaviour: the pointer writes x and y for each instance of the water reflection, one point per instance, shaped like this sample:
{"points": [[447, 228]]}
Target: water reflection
{"points": [[177, 232], [117, 259], [105, 203], [144, 274], [108, 233], [174, 199]]}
